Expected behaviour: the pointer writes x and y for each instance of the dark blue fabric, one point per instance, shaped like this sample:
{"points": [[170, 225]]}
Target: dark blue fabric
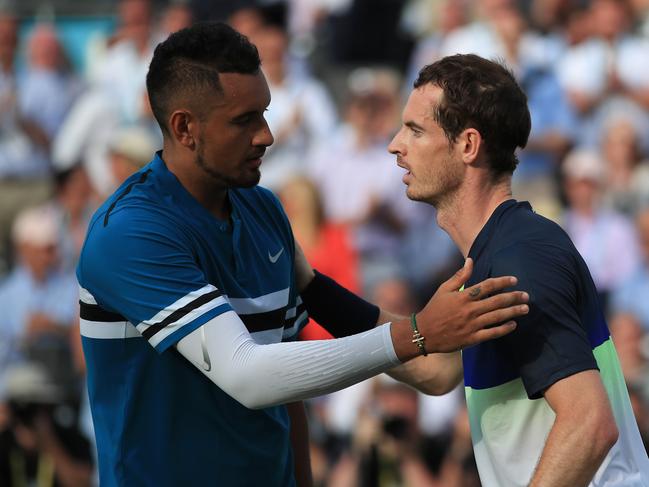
{"points": [[565, 322], [351, 314]]}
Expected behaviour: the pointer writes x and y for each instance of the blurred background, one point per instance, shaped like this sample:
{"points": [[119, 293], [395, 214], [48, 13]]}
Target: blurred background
{"points": [[75, 122]]}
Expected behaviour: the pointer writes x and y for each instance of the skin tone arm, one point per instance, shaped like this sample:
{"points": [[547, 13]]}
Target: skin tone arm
{"points": [[583, 432], [300, 443], [434, 374]]}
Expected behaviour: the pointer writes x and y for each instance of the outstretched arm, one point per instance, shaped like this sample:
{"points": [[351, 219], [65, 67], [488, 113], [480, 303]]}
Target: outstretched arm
{"points": [[259, 375], [435, 374], [583, 432]]}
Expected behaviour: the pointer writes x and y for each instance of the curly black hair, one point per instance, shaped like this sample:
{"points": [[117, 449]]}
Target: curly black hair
{"points": [[189, 61]]}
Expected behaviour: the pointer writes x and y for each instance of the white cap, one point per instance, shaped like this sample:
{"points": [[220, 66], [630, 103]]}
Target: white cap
{"points": [[368, 81], [135, 143], [584, 164], [29, 382], [37, 226]]}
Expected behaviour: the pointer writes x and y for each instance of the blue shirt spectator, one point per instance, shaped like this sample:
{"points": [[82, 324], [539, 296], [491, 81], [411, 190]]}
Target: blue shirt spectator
{"points": [[38, 301], [553, 123]]}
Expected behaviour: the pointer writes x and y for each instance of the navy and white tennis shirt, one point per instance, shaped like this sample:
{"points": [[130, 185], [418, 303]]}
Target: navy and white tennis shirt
{"points": [[563, 334], [155, 266]]}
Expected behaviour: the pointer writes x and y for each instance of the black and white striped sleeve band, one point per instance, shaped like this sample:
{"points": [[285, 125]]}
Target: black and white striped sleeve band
{"points": [[96, 322]]}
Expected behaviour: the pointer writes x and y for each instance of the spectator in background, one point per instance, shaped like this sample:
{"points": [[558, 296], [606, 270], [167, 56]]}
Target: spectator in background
{"points": [[550, 19], [327, 246], [121, 73], [116, 97], [450, 15], [606, 68], [386, 447], [578, 26], [49, 87], [24, 168], [427, 255], [631, 296], [73, 205], [177, 15], [38, 300], [553, 119], [300, 112], [84, 138], [40, 446], [358, 179], [91, 129], [341, 410], [605, 239], [47, 90], [501, 32], [368, 32], [130, 150], [485, 35], [458, 468], [627, 181], [247, 19]]}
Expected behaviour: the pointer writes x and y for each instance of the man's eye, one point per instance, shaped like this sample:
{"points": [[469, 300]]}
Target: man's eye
{"points": [[242, 120]]}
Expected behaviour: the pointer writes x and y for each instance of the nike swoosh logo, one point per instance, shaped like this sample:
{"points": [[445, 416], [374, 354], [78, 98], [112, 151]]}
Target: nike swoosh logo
{"points": [[273, 258], [207, 363]]}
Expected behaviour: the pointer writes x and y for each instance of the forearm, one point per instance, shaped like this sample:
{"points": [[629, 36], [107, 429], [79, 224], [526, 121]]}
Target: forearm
{"points": [[574, 450], [435, 374], [300, 444], [338, 310], [264, 375]]}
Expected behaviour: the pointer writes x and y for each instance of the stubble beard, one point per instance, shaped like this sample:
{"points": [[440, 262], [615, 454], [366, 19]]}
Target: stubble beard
{"points": [[441, 186], [222, 179]]}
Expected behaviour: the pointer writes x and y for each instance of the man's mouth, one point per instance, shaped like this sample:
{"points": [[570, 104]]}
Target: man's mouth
{"points": [[401, 164], [256, 159]]}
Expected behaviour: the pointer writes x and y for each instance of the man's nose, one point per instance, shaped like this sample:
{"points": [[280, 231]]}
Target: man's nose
{"points": [[264, 136], [395, 146]]}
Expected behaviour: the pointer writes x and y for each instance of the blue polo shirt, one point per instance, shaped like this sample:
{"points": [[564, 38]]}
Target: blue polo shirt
{"points": [[155, 266]]}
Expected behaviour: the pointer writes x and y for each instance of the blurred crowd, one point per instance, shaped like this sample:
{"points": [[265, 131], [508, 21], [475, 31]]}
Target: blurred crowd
{"points": [[71, 130]]}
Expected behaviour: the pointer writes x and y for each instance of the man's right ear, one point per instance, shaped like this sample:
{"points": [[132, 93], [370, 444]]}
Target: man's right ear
{"points": [[182, 125]]}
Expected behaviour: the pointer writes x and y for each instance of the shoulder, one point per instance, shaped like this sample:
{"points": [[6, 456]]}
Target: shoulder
{"points": [[136, 204], [130, 233], [128, 221], [534, 248], [520, 223]]}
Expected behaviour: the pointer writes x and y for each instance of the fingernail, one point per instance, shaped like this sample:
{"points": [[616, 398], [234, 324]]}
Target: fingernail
{"points": [[525, 308], [526, 296], [513, 280]]}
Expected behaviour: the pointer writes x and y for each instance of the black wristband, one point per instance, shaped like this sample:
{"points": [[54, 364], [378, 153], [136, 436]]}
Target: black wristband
{"points": [[336, 309]]}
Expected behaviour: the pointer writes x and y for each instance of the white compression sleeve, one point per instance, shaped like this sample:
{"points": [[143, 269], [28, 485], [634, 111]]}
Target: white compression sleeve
{"points": [[259, 375]]}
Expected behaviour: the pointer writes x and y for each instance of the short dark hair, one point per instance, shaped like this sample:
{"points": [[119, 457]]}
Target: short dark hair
{"points": [[484, 95], [190, 60]]}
